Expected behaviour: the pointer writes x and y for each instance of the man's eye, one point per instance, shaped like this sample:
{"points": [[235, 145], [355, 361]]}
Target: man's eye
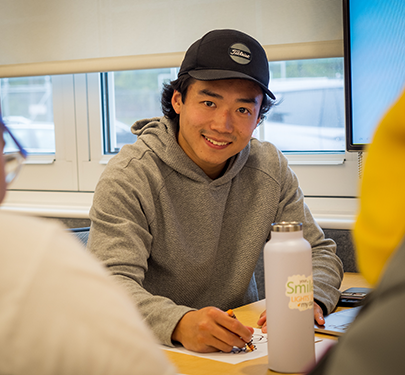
{"points": [[243, 110], [209, 104]]}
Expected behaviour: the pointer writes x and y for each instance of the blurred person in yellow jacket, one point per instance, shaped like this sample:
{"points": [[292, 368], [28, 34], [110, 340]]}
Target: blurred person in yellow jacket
{"points": [[374, 342]]}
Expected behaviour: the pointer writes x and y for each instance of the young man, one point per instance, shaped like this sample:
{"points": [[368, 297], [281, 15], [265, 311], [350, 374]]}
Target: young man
{"points": [[181, 216], [60, 311]]}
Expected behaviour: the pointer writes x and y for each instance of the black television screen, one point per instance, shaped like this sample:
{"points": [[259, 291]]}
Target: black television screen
{"points": [[374, 47]]}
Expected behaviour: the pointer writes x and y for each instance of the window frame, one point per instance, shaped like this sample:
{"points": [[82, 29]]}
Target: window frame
{"points": [[55, 171], [65, 187]]}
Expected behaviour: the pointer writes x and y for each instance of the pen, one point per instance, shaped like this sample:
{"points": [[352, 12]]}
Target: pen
{"points": [[249, 345]]}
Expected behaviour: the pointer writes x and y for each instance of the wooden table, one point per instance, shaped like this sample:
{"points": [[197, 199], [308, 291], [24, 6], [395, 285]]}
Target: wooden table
{"points": [[191, 365]]}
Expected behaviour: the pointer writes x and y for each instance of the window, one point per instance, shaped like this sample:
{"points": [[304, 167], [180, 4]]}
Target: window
{"points": [[307, 124], [308, 118], [310, 113], [129, 96], [27, 109], [41, 112], [91, 115]]}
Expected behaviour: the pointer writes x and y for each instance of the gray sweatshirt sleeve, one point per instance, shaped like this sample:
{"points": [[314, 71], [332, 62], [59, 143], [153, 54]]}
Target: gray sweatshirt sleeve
{"points": [[120, 238]]}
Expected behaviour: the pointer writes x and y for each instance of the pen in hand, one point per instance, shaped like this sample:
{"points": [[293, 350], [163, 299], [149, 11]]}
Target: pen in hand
{"points": [[249, 346]]}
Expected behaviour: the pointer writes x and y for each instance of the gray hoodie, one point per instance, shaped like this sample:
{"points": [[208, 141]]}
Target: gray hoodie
{"points": [[178, 240]]}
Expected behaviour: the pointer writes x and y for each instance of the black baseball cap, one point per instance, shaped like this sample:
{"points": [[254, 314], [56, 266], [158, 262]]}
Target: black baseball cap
{"points": [[226, 54]]}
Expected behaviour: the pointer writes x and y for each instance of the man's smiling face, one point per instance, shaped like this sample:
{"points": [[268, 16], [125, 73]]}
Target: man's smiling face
{"points": [[217, 120]]}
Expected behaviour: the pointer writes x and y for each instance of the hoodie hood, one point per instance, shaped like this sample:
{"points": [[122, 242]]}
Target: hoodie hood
{"points": [[160, 135]]}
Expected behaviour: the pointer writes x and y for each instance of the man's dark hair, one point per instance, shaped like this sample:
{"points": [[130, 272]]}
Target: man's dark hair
{"points": [[182, 84]]}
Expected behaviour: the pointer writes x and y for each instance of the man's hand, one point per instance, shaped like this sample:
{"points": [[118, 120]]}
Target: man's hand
{"points": [[211, 330], [318, 316]]}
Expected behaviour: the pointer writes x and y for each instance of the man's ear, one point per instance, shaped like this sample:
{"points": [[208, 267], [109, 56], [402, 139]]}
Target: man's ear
{"points": [[176, 101]]}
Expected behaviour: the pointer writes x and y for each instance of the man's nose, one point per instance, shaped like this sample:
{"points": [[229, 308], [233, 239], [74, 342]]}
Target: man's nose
{"points": [[223, 122]]}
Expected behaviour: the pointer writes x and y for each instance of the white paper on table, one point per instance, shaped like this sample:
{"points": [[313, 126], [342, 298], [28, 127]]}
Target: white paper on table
{"points": [[259, 340]]}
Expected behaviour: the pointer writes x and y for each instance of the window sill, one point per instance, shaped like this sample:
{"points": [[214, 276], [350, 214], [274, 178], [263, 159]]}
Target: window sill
{"points": [[315, 159], [330, 213], [40, 159]]}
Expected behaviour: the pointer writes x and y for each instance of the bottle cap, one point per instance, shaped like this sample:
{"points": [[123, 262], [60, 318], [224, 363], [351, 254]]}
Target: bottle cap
{"points": [[286, 226]]}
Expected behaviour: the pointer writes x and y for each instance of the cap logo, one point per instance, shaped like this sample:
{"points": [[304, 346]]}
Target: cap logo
{"points": [[240, 53]]}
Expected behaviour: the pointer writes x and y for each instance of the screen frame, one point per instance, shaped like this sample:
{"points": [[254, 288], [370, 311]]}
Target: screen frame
{"points": [[350, 145]]}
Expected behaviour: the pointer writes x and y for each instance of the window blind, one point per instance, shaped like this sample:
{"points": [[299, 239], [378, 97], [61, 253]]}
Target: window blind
{"points": [[75, 36]]}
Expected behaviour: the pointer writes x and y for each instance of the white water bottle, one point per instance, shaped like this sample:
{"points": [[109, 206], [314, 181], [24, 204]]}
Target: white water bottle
{"points": [[289, 299]]}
